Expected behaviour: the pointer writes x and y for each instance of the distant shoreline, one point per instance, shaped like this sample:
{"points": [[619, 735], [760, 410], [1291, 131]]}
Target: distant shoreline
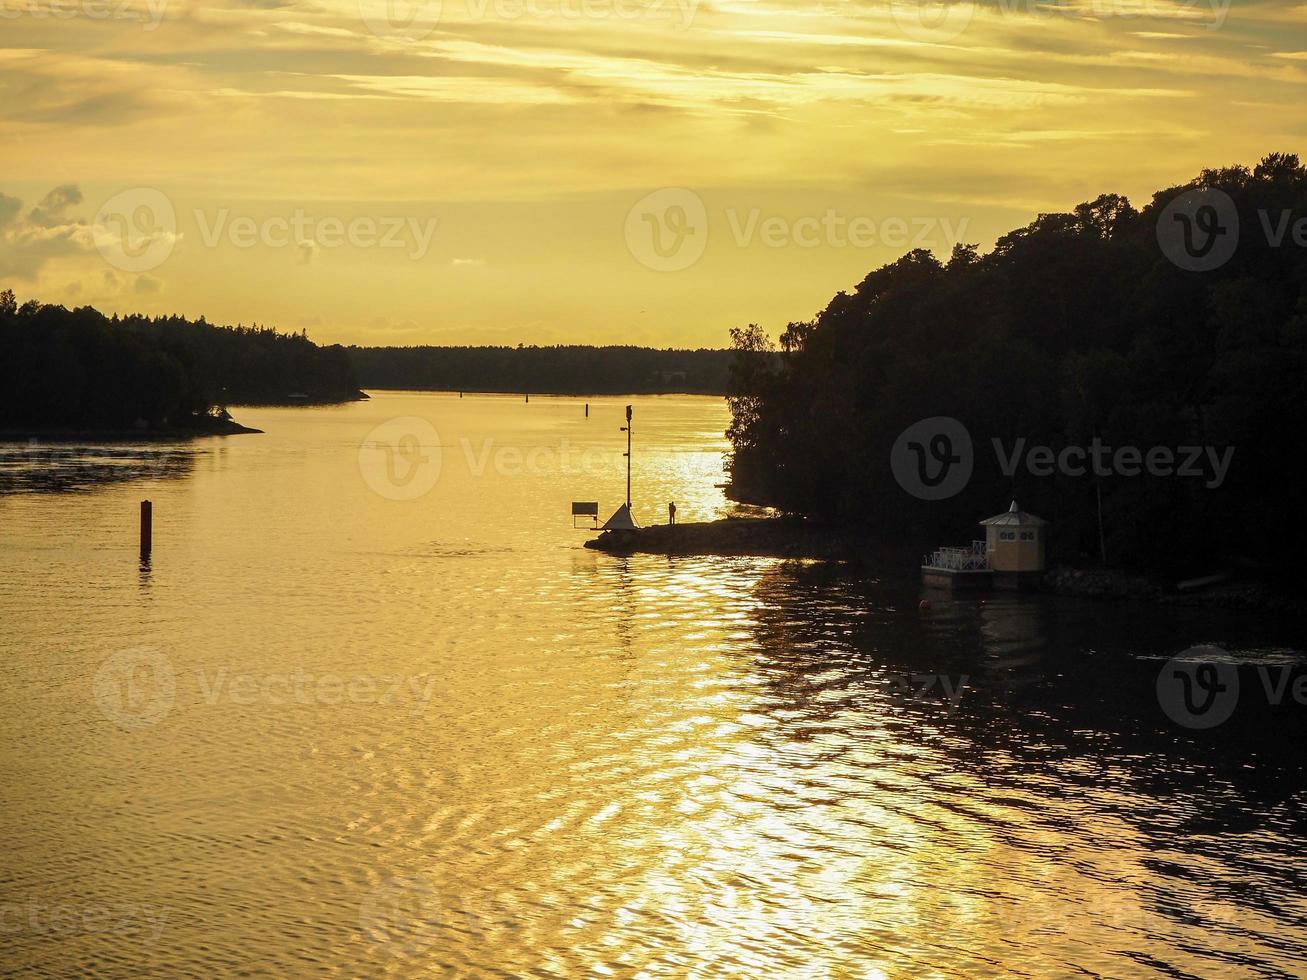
{"points": [[546, 394]]}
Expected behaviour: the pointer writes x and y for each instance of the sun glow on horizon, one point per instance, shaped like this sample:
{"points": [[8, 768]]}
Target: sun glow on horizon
{"points": [[462, 172]]}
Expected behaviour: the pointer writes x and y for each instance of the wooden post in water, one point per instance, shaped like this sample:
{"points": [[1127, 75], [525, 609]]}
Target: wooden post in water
{"points": [[587, 409], [147, 527], [528, 398]]}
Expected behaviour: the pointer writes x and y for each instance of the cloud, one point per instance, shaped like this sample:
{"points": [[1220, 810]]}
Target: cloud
{"points": [[9, 208], [146, 285], [29, 241], [50, 212], [309, 251]]}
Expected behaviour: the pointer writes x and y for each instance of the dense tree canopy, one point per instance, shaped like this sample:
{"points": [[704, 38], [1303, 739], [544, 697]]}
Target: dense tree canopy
{"points": [[563, 370], [1073, 328], [78, 369]]}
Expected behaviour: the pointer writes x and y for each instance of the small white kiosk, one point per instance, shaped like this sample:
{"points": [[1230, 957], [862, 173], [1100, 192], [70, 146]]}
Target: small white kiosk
{"points": [[1014, 544]]}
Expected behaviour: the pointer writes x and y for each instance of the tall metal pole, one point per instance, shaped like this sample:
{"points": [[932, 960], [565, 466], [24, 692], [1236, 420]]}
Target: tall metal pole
{"points": [[628, 457]]}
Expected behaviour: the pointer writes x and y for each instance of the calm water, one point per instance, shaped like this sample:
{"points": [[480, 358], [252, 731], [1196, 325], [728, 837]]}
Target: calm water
{"points": [[374, 711]]}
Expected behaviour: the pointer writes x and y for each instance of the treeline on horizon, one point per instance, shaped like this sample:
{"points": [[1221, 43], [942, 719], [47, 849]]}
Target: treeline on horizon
{"points": [[78, 369], [1073, 328], [562, 370]]}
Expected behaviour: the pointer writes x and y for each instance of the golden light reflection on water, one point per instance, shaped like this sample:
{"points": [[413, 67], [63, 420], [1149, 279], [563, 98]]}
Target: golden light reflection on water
{"points": [[622, 767]]}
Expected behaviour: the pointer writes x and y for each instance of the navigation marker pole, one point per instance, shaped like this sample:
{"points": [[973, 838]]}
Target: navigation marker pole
{"points": [[147, 528], [627, 429]]}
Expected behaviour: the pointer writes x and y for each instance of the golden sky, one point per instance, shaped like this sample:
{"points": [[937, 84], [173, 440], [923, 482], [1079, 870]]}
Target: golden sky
{"points": [[588, 171]]}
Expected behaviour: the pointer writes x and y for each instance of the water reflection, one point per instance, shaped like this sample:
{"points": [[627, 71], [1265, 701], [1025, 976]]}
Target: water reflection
{"points": [[36, 467], [641, 766]]}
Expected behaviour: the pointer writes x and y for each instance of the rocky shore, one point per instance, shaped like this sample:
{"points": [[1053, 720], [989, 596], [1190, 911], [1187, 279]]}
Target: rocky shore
{"points": [[1109, 583], [763, 537], [795, 538], [200, 425]]}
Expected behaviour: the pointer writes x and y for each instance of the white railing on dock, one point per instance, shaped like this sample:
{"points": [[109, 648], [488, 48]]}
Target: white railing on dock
{"points": [[973, 559]]}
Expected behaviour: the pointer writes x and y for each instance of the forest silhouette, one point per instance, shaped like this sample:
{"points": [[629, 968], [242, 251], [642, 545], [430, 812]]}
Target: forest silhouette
{"points": [[77, 369], [1074, 328]]}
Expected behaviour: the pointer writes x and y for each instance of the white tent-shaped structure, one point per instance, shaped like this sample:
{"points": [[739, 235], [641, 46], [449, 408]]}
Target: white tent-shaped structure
{"points": [[621, 520]]}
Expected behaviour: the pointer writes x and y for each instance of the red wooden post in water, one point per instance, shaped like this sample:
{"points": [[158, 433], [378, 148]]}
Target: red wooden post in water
{"points": [[147, 527]]}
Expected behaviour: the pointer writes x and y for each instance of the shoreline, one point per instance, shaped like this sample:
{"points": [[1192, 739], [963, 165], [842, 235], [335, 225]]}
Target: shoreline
{"points": [[219, 427], [638, 393], [306, 402], [795, 539], [200, 425]]}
